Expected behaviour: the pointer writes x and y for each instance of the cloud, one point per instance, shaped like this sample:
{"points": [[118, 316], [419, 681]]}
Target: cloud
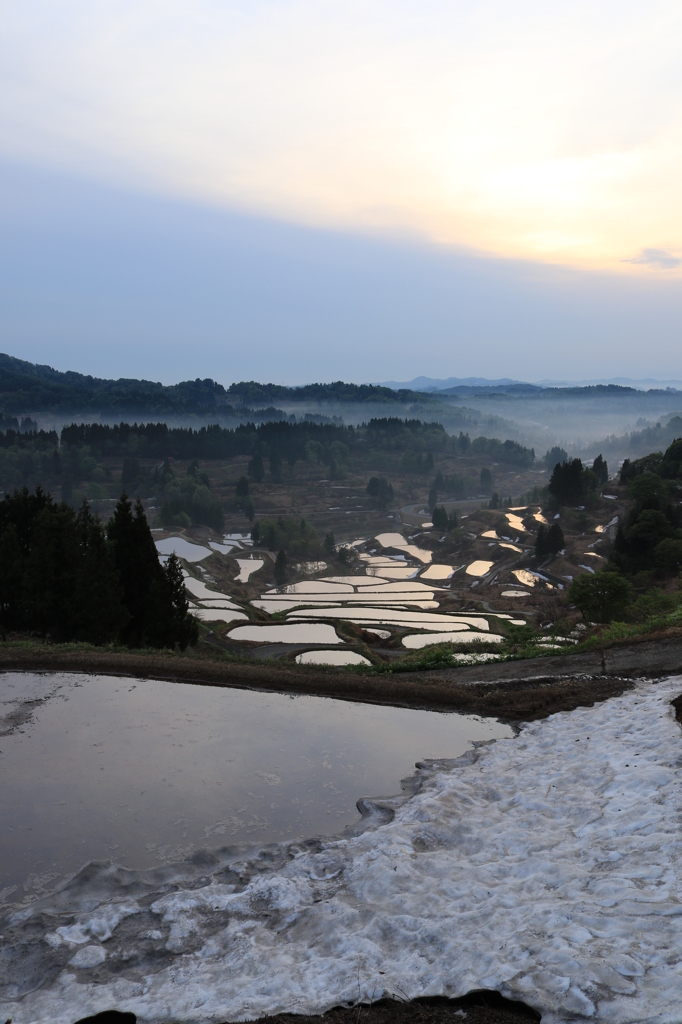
{"points": [[522, 130], [122, 284], [656, 258]]}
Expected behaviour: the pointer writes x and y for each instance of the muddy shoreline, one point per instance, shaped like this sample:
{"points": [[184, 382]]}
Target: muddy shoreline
{"points": [[515, 691]]}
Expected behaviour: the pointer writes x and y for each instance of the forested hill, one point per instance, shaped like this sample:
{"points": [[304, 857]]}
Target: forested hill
{"points": [[27, 388]]}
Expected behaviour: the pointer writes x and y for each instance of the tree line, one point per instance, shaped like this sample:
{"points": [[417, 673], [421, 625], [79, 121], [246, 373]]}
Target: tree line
{"points": [[43, 457], [69, 577], [648, 543]]}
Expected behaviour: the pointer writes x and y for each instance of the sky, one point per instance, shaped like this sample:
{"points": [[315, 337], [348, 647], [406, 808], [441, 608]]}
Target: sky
{"points": [[309, 190]]}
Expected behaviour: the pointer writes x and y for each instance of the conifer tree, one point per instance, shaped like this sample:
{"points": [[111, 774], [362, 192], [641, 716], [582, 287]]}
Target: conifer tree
{"points": [[140, 573], [99, 598], [555, 539], [600, 470], [184, 628], [281, 569], [541, 549]]}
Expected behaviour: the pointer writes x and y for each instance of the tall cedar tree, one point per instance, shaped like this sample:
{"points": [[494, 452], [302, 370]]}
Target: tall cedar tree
{"points": [[138, 568], [99, 595], [567, 484], [18, 514]]}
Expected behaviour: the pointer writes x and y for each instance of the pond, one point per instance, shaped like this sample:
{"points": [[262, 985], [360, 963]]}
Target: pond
{"points": [[145, 772]]}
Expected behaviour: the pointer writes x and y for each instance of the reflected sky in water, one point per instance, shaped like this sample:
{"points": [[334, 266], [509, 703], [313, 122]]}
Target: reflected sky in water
{"points": [[145, 771]]}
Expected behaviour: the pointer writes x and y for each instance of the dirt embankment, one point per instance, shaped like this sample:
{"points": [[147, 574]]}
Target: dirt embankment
{"points": [[476, 1008], [517, 691]]}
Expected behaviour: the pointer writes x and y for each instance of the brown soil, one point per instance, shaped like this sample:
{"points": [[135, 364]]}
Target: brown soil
{"points": [[476, 1008]]}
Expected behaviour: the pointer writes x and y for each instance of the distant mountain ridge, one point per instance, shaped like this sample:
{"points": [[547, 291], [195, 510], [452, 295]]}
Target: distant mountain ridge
{"points": [[462, 384], [434, 384], [30, 388]]}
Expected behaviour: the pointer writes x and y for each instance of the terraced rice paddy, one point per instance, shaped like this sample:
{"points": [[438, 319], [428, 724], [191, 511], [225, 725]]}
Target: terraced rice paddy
{"points": [[438, 572], [523, 576], [397, 591], [418, 640], [224, 549], [247, 567], [211, 605], [478, 568], [217, 613], [182, 548], [308, 633], [396, 540], [331, 658]]}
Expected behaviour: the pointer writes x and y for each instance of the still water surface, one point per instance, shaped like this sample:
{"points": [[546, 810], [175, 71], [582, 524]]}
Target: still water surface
{"points": [[144, 772]]}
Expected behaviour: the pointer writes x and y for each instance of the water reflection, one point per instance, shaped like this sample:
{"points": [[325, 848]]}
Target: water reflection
{"points": [[144, 771]]}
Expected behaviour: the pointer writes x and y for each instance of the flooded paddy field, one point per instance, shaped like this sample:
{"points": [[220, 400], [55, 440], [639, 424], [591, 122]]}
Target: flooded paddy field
{"points": [[395, 590], [145, 772]]}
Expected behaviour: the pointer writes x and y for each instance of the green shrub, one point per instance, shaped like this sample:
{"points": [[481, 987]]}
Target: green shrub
{"points": [[600, 597]]}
